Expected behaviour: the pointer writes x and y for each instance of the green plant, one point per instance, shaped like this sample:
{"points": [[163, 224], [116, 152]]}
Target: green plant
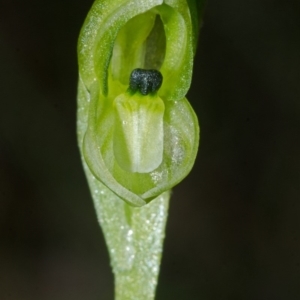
{"points": [[137, 139]]}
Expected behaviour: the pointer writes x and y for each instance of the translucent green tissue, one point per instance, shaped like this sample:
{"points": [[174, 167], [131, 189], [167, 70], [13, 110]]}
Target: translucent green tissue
{"points": [[136, 147]]}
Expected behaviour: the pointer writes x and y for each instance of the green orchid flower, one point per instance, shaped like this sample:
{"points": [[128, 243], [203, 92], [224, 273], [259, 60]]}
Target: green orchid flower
{"points": [[137, 133]]}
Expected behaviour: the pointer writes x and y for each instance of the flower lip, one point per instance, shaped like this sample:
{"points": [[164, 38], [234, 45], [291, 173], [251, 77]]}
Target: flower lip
{"points": [[145, 81]]}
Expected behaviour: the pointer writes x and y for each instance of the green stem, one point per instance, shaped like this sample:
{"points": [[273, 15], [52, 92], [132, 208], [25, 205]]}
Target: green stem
{"points": [[147, 230], [134, 236]]}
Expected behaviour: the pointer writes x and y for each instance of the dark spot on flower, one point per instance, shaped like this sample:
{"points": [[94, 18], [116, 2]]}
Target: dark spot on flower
{"points": [[145, 81]]}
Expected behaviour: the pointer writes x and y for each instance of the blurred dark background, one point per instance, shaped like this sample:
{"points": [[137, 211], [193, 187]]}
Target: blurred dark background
{"points": [[234, 226]]}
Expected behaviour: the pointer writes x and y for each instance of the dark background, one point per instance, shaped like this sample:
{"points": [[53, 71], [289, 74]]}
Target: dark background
{"points": [[234, 226]]}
